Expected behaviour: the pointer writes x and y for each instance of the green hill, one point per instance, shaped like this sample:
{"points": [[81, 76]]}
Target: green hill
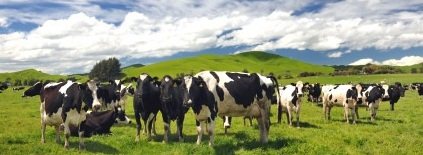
{"points": [[29, 74], [255, 61]]}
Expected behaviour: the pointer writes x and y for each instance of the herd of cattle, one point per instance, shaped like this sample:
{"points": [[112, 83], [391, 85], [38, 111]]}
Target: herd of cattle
{"points": [[85, 109]]}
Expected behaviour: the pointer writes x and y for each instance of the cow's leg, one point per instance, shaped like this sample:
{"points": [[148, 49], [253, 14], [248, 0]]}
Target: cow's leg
{"points": [[227, 123], [279, 113], [251, 121], [289, 116], [346, 109], [153, 126], [211, 131], [180, 124], [166, 123], [57, 133], [81, 138], [353, 114], [199, 131], [356, 112], [392, 105], [43, 131], [263, 123], [325, 110], [67, 135], [137, 119], [329, 108], [149, 125], [298, 117]]}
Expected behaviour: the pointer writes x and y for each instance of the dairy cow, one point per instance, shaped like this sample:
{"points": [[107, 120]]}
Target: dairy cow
{"points": [[372, 97], [172, 108], [146, 104], [343, 95], [290, 101], [212, 93], [314, 92], [62, 104]]}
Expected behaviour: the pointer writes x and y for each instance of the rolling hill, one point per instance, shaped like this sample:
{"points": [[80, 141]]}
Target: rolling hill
{"points": [[29, 74], [254, 61]]}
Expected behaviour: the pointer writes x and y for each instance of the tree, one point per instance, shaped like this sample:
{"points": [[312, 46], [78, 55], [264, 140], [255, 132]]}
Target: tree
{"points": [[413, 70], [106, 70]]}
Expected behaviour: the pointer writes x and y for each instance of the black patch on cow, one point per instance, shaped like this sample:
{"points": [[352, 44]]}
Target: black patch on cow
{"points": [[330, 97], [215, 76], [294, 96], [220, 93], [244, 88], [336, 100], [336, 87]]}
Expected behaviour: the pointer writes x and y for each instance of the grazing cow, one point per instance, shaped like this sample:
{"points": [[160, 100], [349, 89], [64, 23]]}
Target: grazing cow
{"points": [[18, 88], [372, 96], [344, 95], [146, 103], [62, 104], [230, 94], [314, 92], [401, 89], [3, 86], [172, 107], [291, 101]]}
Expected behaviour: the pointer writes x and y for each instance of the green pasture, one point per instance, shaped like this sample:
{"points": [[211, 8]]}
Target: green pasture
{"points": [[394, 132]]}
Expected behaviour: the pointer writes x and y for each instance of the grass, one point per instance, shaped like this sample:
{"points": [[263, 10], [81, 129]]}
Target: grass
{"points": [[394, 132], [29, 74]]}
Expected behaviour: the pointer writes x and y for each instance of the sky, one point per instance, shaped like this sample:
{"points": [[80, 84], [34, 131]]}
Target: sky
{"points": [[67, 37]]}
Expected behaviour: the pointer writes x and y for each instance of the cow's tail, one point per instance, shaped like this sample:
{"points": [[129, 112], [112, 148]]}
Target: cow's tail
{"points": [[276, 88]]}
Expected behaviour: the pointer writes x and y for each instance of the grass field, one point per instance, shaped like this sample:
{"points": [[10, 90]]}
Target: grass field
{"points": [[394, 132]]}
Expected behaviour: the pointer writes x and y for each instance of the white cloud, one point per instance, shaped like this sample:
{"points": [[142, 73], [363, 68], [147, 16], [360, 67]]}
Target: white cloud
{"points": [[335, 54], [364, 62], [404, 61], [3, 21]]}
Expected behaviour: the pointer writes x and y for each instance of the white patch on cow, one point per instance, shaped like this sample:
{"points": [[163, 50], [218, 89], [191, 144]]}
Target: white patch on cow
{"points": [[150, 117], [52, 84], [226, 123], [166, 79], [117, 82], [89, 112], [386, 87], [64, 88], [126, 121], [204, 113], [54, 120], [188, 82], [74, 117], [143, 76]]}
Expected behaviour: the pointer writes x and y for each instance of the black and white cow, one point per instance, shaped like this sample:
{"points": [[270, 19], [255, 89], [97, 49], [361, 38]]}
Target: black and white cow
{"points": [[420, 89], [98, 123], [290, 101], [172, 108], [62, 104], [3, 86], [372, 97], [146, 103], [229, 94], [344, 95], [314, 92]]}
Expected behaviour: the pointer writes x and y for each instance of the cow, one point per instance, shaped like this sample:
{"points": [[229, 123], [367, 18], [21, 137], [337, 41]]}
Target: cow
{"points": [[420, 89], [344, 95], [394, 93], [3, 86], [314, 92], [212, 93], [146, 104], [172, 107], [290, 101], [401, 89], [62, 104], [18, 88], [372, 97], [98, 123]]}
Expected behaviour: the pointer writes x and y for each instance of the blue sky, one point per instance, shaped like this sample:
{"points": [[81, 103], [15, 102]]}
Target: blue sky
{"points": [[64, 37]]}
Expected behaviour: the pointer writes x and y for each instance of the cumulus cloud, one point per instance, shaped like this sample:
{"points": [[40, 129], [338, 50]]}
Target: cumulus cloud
{"points": [[335, 54], [3, 21], [404, 61]]}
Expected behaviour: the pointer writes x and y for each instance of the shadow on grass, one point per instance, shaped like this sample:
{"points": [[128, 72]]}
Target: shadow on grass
{"points": [[243, 141], [96, 147], [307, 125]]}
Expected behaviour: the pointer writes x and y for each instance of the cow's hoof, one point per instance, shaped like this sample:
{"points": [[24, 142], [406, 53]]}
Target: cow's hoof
{"points": [[298, 127], [181, 139], [81, 147], [210, 144], [137, 139], [164, 141], [43, 141], [66, 147]]}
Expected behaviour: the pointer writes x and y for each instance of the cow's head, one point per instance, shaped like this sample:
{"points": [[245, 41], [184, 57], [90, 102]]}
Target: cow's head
{"points": [[90, 94], [34, 90], [194, 90], [121, 117], [166, 88], [144, 83], [299, 85]]}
